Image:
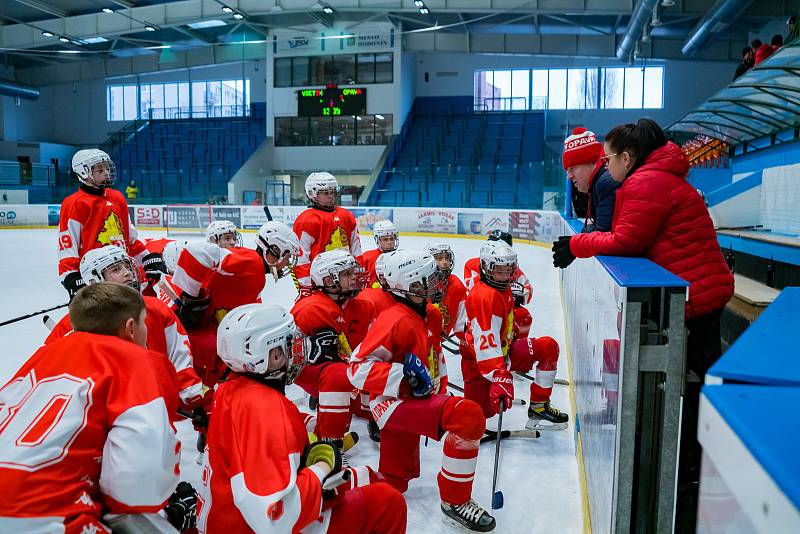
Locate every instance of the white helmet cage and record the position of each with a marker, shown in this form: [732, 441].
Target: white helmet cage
[497, 254]
[248, 333]
[96, 263]
[380, 268]
[217, 229]
[385, 229]
[171, 253]
[404, 268]
[331, 264]
[85, 161]
[317, 182]
[276, 240]
[441, 250]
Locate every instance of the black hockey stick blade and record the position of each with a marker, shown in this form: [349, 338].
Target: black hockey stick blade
[557, 381]
[267, 213]
[491, 435]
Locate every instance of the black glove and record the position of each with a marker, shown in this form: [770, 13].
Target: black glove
[154, 266]
[562, 255]
[322, 347]
[192, 310]
[73, 283]
[180, 508]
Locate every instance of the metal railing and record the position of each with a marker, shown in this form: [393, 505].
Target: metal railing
[199, 112]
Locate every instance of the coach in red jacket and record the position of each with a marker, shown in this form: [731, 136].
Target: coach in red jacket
[660, 216]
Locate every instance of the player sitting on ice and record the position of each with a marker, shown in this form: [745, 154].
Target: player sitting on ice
[489, 341]
[88, 427]
[224, 233]
[520, 287]
[93, 217]
[453, 305]
[261, 473]
[323, 226]
[387, 239]
[165, 334]
[333, 321]
[399, 363]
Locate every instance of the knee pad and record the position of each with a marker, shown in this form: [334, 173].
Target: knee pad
[464, 418]
[523, 353]
[545, 351]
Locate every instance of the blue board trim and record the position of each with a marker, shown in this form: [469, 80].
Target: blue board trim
[771, 442]
[733, 189]
[639, 272]
[762, 249]
[766, 353]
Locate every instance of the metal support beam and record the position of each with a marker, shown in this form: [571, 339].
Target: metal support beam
[44, 8]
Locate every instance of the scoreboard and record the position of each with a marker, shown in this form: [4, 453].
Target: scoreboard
[331, 102]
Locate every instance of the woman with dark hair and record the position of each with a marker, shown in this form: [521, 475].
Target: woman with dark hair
[660, 216]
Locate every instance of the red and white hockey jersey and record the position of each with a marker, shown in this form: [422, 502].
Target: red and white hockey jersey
[86, 429]
[368, 260]
[376, 365]
[319, 231]
[166, 336]
[380, 299]
[88, 221]
[453, 307]
[156, 246]
[472, 273]
[318, 311]
[252, 480]
[490, 325]
[232, 277]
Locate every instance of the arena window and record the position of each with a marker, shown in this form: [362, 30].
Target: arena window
[334, 131]
[340, 69]
[178, 100]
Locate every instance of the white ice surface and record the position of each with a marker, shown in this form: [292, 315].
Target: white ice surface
[539, 478]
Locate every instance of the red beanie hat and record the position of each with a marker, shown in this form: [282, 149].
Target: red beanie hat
[581, 147]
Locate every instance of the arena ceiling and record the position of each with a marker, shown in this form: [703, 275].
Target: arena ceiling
[40, 33]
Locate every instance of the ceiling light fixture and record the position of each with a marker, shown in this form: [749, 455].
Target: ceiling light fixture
[328, 10]
[47, 34]
[149, 29]
[227, 9]
[419, 3]
[108, 10]
[238, 16]
[424, 10]
[63, 39]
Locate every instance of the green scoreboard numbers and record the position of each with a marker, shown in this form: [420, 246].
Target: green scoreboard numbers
[331, 102]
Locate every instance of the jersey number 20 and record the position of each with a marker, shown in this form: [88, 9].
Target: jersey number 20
[40, 420]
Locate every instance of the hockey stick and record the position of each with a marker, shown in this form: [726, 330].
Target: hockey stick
[49, 323]
[34, 314]
[491, 435]
[267, 213]
[559, 381]
[497, 496]
[517, 402]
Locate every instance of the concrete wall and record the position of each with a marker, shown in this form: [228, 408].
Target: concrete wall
[687, 84]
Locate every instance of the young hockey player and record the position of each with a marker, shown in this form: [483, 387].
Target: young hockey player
[165, 334]
[489, 337]
[377, 294]
[387, 239]
[332, 320]
[323, 226]
[399, 364]
[261, 473]
[93, 217]
[87, 423]
[453, 305]
[224, 233]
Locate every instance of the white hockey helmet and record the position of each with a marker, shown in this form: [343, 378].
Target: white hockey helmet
[383, 229]
[279, 247]
[317, 182]
[217, 229]
[407, 268]
[99, 263]
[171, 253]
[498, 264]
[380, 268]
[248, 333]
[87, 162]
[442, 251]
[333, 263]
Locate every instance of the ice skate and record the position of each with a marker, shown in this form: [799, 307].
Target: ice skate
[542, 416]
[469, 515]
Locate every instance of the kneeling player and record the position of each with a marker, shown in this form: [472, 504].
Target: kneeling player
[387, 239]
[489, 336]
[453, 305]
[397, 362]
[333, 321]
[261, 473]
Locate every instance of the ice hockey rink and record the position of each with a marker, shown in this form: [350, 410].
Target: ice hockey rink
[539, 478]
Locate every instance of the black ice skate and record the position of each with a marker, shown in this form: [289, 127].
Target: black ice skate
[542, 416]
[374, 431]
[469, 515]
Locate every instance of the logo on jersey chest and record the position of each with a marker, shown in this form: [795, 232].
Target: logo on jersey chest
[111, 232]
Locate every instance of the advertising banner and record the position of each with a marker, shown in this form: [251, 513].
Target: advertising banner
[53, 214]
[187, 217]
[228, 213]
[367, 217]
[470, 223]
[436, 221]
[536, 225]
[253, 216]
[24, 215]
[148, 216]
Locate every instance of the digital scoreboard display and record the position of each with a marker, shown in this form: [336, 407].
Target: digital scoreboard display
[331, 102]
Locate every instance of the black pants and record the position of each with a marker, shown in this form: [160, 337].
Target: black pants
[703, 347]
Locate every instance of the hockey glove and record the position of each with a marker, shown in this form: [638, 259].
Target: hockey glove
[192, 310]
[501, 388]
[154, 267]
[519, 293]
[415, 372]
[562, 255]
[73, 283]
[324, 451]
[180, 508]
[322, 347]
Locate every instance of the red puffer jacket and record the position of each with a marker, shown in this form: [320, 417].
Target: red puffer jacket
[660, 216]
